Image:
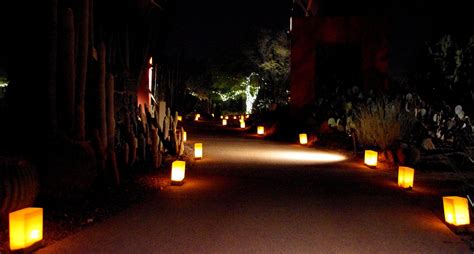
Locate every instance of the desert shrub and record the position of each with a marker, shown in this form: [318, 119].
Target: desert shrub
[377, 124]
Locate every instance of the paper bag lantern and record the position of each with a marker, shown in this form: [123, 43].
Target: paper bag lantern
[242, 124]
[26, 227]
[198, 151]
[224, 122]
[303, 139]
[370, 158]
[260, 130]
[185, 136]
[177, 171]
[405, 177]
[196, 118]
[456, 210]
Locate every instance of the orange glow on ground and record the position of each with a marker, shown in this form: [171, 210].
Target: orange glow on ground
[285, 156]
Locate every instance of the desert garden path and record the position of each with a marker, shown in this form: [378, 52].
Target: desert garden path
[249, 195]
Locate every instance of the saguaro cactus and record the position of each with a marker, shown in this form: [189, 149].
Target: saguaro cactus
[110, 111]
[126, 154]
[112, 166]
[52, 68]
[67, 73]
[102, 97]
[83, 47]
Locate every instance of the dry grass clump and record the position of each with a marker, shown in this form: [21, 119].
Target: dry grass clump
[378, 123]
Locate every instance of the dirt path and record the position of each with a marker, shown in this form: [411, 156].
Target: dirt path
[253, 196]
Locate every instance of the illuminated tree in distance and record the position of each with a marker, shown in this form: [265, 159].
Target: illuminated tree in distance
[272, 58]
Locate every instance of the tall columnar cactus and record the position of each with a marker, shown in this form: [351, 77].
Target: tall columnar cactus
[131, 140]
[175, 121]
[181, 142]
[133, 150]
[110, 111]
[67, 72]
[52, 67]
[126, 154]
[144, 122]
[99, 151]
[141, 147]
[166, 126]
[83, 48]
[91, 27]
[127, 48]
[174, 133]
[102, 101]
[156, 119]
[156, 155]
[112, 166]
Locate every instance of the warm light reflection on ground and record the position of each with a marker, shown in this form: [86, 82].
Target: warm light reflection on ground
[285, 156]
[303, 156]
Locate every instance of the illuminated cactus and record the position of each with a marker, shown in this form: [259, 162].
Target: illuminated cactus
[181, 142]
[155, 148]
[166, 126]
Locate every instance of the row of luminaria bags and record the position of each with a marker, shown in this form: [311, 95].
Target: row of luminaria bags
[26, 225]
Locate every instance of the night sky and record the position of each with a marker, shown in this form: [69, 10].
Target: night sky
[217, 31]
[213, 29]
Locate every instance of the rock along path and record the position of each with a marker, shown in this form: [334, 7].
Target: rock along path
[249, 195]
